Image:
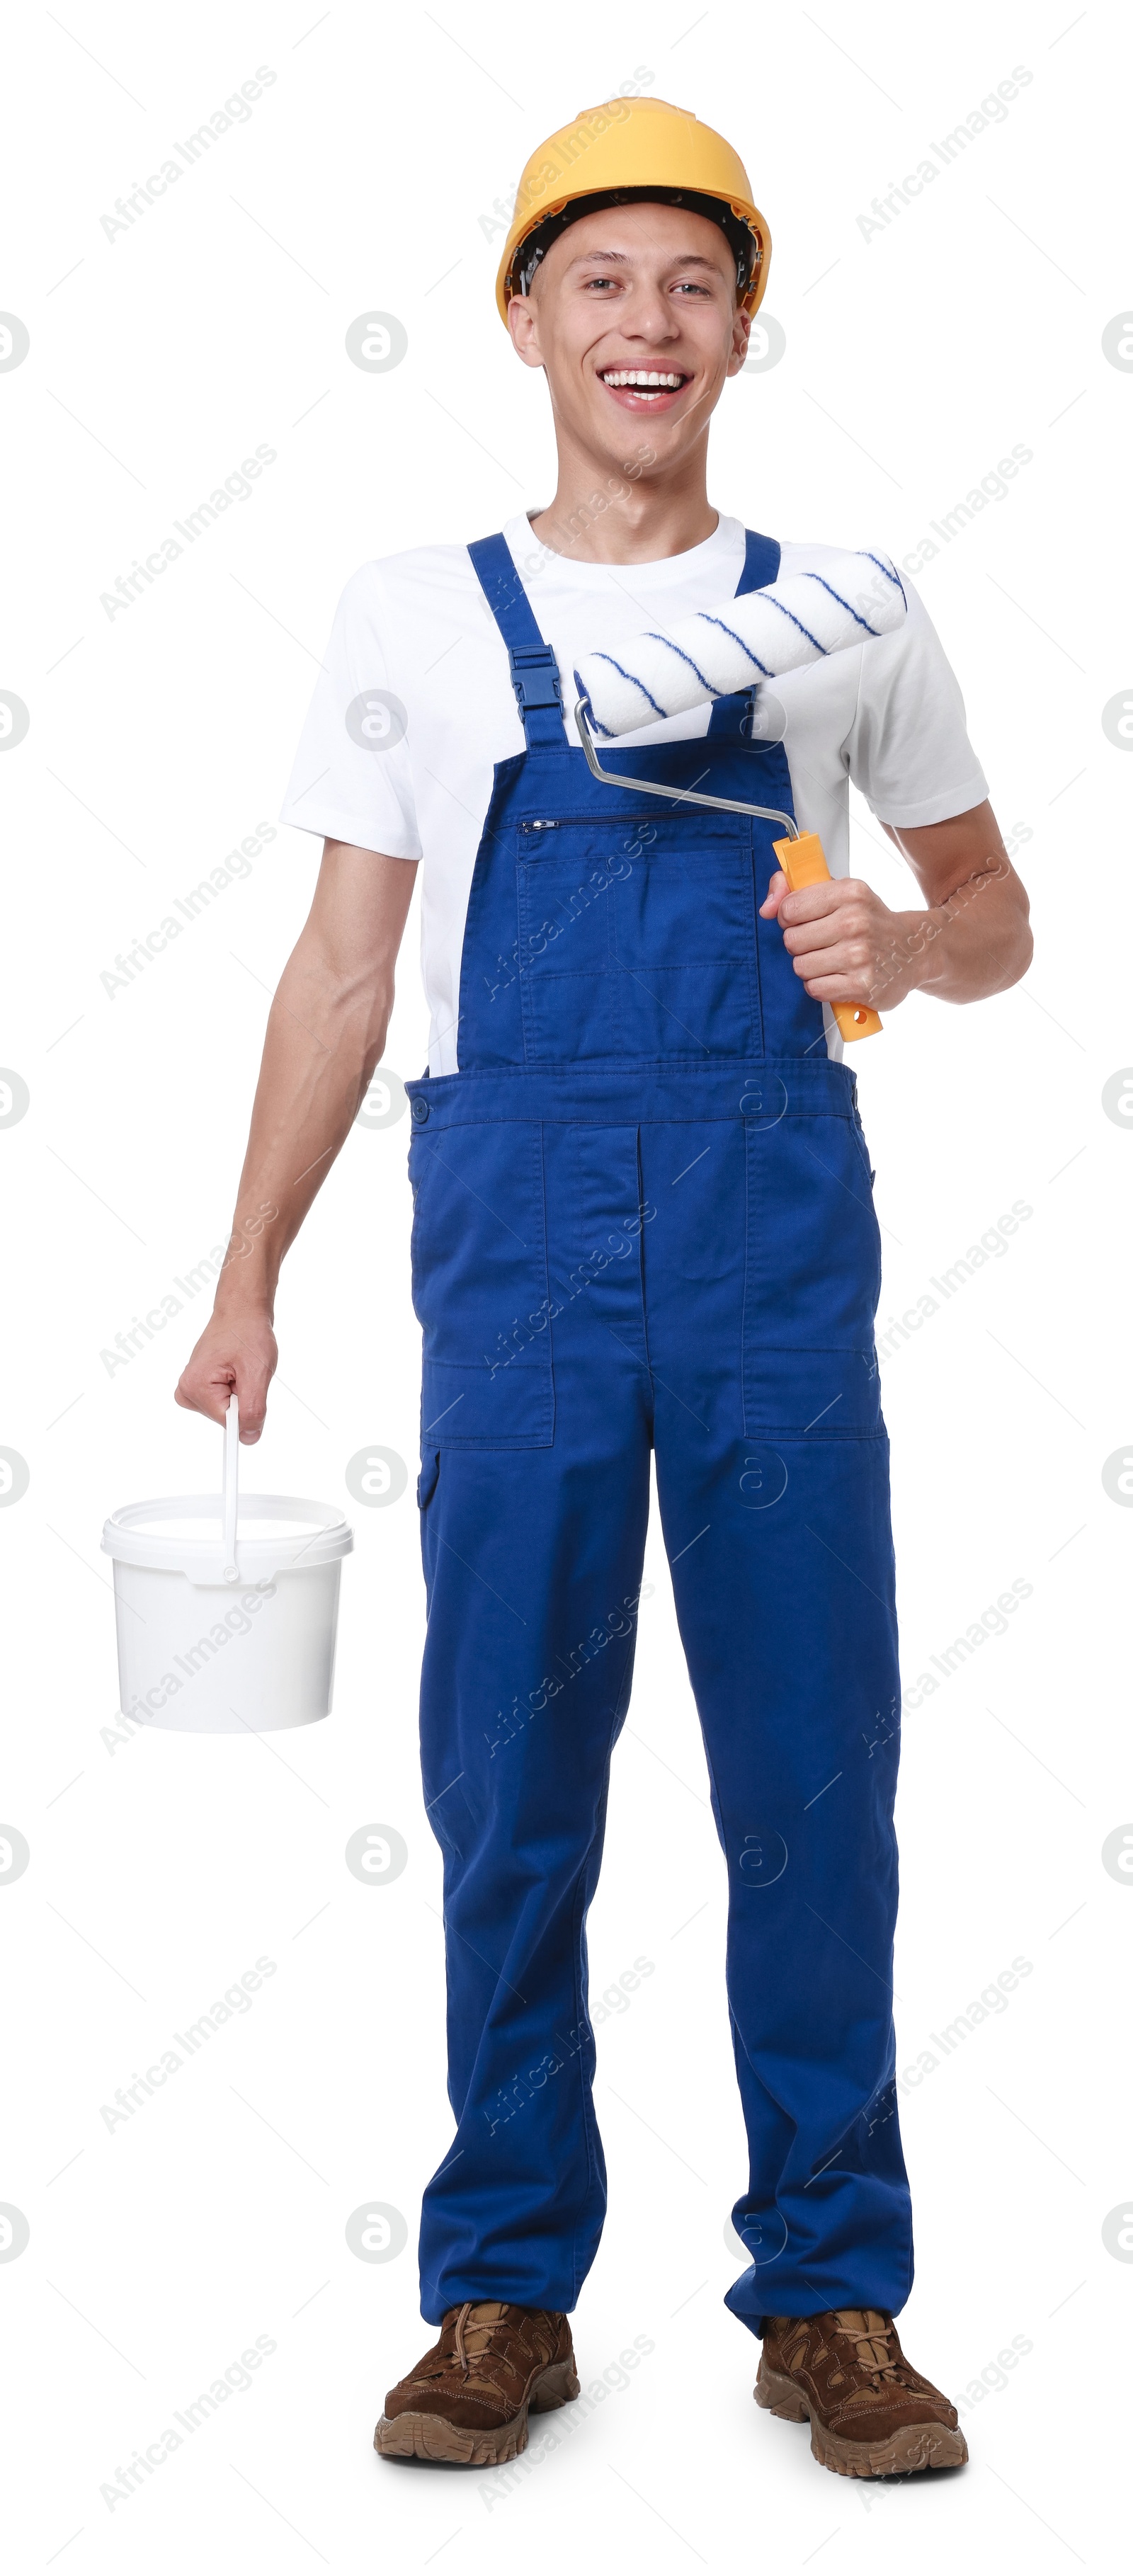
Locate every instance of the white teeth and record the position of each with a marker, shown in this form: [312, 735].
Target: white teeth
[642, 379]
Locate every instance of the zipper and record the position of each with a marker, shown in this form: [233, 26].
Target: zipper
[587, 822]
[645, 824]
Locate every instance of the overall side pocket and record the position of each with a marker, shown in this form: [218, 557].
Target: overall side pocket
[813, 1279]
[480, 1287]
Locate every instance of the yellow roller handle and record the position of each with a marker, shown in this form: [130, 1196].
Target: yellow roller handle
[803, 863]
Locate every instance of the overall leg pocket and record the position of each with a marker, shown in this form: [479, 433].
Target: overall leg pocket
[813, 1278]
[480, 1287]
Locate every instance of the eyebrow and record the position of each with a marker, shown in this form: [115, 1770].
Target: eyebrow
[624, 259]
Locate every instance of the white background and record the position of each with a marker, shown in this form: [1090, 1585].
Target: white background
[162, 1866]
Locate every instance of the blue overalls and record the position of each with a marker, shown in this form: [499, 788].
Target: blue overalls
[643, 1221]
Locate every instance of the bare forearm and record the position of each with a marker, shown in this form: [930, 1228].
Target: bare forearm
[321, 1047]
[973, 938]
[325, 1034]
[976, 942]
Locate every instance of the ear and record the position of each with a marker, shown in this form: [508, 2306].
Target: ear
[523, 324]
[741, 334]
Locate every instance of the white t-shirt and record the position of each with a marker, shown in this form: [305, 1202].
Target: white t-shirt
[417, 626]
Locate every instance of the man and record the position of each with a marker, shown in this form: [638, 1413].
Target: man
[643, 1223]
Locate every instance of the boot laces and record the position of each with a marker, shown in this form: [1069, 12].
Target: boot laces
[870, 2335]
[482, 2328]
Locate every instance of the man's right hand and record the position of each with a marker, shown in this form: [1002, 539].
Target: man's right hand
[233, 1353]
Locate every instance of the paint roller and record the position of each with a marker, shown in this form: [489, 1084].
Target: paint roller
[761, 635]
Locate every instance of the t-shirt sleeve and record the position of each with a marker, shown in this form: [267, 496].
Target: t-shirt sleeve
[352, 779]
[907, 748]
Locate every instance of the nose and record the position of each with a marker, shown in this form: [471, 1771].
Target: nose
[651, 318]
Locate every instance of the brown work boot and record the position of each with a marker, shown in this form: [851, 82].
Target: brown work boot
[871, 2414]
[468, 2399]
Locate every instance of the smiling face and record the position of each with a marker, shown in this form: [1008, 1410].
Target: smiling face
[632, 314]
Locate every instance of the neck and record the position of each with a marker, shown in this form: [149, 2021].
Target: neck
[624, 515]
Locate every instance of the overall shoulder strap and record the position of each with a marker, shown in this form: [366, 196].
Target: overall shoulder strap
[762, 557]
[534, 671]
[760, 566]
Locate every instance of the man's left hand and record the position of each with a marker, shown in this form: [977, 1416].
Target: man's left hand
[846, 944]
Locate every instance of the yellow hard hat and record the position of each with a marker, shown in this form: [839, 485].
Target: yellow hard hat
[637, 148]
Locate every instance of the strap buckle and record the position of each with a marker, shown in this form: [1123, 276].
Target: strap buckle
[535, 677]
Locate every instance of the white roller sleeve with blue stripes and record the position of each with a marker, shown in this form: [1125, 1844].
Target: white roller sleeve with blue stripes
[756, 637]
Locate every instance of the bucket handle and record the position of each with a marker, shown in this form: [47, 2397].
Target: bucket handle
[230, 1568]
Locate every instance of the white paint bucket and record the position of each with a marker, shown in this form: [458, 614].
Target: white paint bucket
[227, 1606]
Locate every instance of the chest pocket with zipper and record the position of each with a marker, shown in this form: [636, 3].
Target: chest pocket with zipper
[636, 938]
